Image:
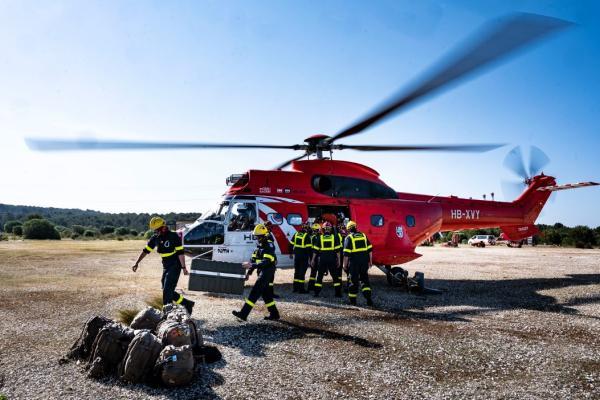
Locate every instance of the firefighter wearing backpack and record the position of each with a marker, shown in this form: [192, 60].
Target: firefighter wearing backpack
[358, 258]
[264, 261]
[168, 245]
[326, 249]
[301, 247]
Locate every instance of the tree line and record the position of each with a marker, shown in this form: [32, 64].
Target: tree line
[54, 223]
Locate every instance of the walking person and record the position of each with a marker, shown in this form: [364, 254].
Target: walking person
[263, 260]
[168, 245]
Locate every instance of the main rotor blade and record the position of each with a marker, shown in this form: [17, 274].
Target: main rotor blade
[473, 148]
[514, 162]
[285, 164]
[92, 144]
[537, 161]
[497, 40]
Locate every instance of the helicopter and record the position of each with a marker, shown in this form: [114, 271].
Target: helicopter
[316, 187]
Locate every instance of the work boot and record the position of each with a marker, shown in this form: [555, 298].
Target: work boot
[243, 313]
[369, 301]
[301, 288]
[338, 291]
[189, 305]
[296, 287]
[273, 313]
[353, 300]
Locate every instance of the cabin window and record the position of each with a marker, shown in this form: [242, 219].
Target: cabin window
[377, 220]
[294, 219]
[353, 188]
[242, 217]
[275, 218]
[410, 221]
[207, 233]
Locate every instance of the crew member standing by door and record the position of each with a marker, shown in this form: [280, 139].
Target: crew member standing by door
[326, 249]
[314, 237]
[301, 247]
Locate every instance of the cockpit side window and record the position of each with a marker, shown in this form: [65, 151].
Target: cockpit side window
[242, 216]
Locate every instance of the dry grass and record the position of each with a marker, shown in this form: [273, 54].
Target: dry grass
[126, 315]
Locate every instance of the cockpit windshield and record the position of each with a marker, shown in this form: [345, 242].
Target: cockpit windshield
[216, 214]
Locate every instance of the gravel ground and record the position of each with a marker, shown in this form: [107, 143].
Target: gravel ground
[511, 323]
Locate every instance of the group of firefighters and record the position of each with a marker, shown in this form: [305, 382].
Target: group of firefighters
[323, 248]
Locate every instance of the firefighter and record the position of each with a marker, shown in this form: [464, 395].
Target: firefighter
[301, 247]
[341, 234]
[264, 261]
[168, 245]
[316, 231]
[358, 258]
[326, 249]
[271, 239]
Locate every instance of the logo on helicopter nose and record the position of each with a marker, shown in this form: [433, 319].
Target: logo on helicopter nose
[400, 231]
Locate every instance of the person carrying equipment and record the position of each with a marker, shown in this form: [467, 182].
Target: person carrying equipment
[301, 247]
[168, 245]
[358, 258]
[264, 261]
[316, 232]
[326, 249]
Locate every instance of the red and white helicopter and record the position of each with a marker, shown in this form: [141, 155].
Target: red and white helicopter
[320, 187]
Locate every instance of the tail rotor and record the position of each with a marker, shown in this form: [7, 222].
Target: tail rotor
[515, 162]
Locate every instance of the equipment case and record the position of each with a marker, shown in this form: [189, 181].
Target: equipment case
[216, 276]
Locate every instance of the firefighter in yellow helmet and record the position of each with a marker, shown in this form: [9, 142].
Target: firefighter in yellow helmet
[358, 258]
[326, 254]
[168, 245]
[263, 260]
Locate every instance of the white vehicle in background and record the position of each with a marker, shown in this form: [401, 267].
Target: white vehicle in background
[482, 240]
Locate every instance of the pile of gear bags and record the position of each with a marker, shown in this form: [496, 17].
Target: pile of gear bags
[158, 347]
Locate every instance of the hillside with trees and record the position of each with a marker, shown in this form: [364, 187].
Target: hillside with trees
[72, 222]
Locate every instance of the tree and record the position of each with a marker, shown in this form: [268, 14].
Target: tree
[40, 229]
[582, 237]
[122, 231]
[8, 227]
[78, 229]
[17, 230]
[34, 216]
[107, 229]
[89, 233]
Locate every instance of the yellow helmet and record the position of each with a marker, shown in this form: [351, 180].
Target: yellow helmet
[260, 230]
[316, 226]
[156, 222]
[350, 225]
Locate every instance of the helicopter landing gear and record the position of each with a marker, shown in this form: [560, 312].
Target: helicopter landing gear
[398, 277]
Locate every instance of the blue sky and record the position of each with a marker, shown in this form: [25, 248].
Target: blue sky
[278, 72]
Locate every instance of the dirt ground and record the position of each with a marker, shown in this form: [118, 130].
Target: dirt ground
[510, 323]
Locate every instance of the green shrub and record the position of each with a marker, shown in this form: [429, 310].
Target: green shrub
[148, 234]
[78, 229]
[127, 315]
[3, 236]
[107, 229]
[133, 232]
[40, 229]
[34, 216]
[120, 238]
[156, 302]
[122, 231]
[89, 233]
[60, 228]
[17, 230]
[75, 236]
[66, 233]
[8, 227]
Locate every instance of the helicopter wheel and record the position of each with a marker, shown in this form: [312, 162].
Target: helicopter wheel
[397, 276]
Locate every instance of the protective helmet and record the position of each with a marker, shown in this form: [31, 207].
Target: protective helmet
[260, 230]
[316, 226]
[157, 222]
[327, 225]
[350, 225]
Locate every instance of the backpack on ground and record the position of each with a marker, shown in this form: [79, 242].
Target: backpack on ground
[148, 318]
[175, 311]
[83, 347]
[175, 366]
[206, 354]
[109, 349]
[173, 332]
[140, 358]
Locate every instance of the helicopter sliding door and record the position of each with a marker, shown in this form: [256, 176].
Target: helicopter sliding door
[239, 223]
